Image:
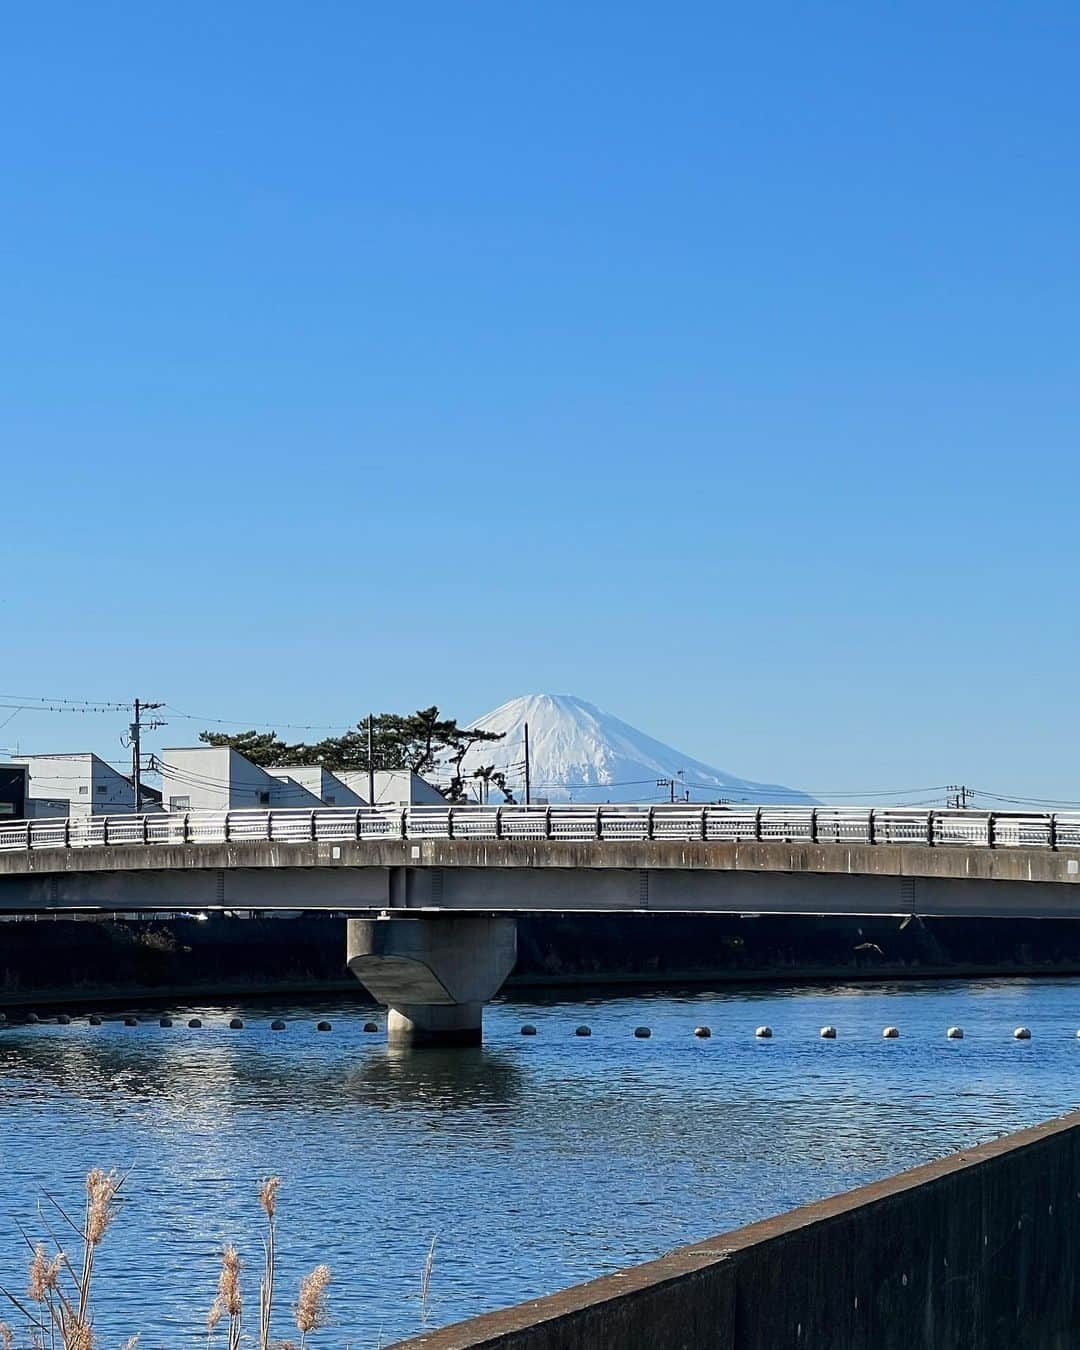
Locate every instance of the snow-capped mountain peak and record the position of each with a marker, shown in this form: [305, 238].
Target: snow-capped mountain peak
[578, 752]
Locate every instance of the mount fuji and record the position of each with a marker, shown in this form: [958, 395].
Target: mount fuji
[580, 753]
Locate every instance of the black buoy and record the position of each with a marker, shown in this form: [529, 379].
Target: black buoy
[94, 1020]
[277, 1024]
[642, 1033]
[165, 1022]
[32, 1017]
[528, 1029]
[63, 1020]
[324, 1026]
[583, 1031]
[371, 1026]
[236, 1024]
[131, 1021]
[3, 1017]
[195, 1023]
[703, 1033]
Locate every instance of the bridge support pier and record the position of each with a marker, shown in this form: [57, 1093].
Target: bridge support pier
[433, 972]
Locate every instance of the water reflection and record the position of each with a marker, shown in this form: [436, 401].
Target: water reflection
[471, 1078]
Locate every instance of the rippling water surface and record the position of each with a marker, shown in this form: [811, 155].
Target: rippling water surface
[537, 1162]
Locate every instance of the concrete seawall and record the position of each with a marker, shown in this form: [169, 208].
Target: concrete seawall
[977, 1251]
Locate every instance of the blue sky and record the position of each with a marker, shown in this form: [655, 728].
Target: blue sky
[717, 363]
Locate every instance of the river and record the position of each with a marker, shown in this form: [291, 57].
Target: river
[533, 1162]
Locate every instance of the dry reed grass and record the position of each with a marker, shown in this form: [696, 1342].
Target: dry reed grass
[57, 1308]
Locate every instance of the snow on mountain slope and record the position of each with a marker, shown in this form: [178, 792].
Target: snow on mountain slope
[580, 753]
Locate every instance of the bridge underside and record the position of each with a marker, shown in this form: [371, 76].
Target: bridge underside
[516, 890]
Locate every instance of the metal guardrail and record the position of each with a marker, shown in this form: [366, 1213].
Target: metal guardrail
[720, 824]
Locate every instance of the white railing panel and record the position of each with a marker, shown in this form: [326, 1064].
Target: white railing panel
[208, 827]
[893, 826]
[624, 822]
[722, 824]
[786, 825]
[953, 827]
[524, 822]
[677, 822]
[1027, 831]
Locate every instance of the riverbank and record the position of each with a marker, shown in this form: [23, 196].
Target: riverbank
[77, 962]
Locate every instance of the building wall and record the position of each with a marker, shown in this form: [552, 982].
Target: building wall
[92, 787]
[217, 778]
[394, 787]
[321, 783]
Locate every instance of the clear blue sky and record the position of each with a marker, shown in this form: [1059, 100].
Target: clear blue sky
[715, 362]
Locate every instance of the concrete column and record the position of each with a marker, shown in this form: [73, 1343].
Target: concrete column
[434, 972]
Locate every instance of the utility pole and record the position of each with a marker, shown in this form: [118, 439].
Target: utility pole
[371, 759]
[959, 800]
[528, 781]
[135, 736]
[669, 783]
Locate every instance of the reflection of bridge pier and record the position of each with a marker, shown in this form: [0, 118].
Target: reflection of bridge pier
[434, 972]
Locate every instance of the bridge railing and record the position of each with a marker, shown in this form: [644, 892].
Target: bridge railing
[568, 823]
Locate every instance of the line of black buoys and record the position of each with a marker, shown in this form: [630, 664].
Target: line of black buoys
[94, 1020]
[642, 1033]
[583, 1031]
[63, 1020]
[528, 1029]
[703, 1033]
[195, 1023]
[236, 1024]
[371, 1026]
[324, 1026]
[131, 1021]
[277, 1024]
[165, 1021]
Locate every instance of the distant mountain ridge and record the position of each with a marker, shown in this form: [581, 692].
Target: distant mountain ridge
[580, 753]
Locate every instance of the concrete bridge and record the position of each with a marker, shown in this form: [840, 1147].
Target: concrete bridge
[435, 889]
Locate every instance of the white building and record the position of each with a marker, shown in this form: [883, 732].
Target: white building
[393, 787]
[216, 778]
[321, 783]
[79, 785]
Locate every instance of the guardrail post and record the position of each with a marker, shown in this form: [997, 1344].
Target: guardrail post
[104, 831]
[185, 832]
[404, 822]
[357, 822]
[990, 829]
[871, 832]
[145, 829]
[313, 825]
[269, 824]
[547, 822]
[225, 827]
[1053, 830]
[930, 829]
[449, 822]
[650, 830]
[704, 824]
[599, 823]
[757, 824]
[498, 822]
[67, 832]
[813, 824]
